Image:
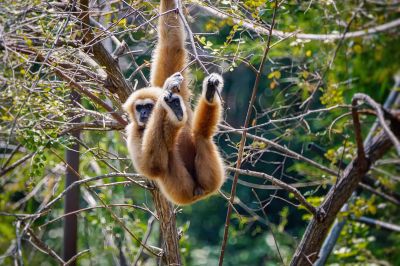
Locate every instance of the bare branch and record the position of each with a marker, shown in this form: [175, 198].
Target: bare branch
[41, 246]
[377, 223]
[80, 253]
[16, 164]
[117, 83]
[278, 183]
[261, 29]
[283, 149]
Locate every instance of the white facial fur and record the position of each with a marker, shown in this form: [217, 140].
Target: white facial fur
[141, 102]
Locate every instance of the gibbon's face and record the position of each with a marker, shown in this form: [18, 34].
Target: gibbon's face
[143, 108]
[140, 104]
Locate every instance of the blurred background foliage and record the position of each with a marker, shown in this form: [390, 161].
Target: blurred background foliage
[35, 110]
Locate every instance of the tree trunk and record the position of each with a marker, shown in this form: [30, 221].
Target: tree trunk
[72, 196]
[307, 251]
[169, 232]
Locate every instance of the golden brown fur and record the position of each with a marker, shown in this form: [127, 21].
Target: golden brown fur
[179, 155]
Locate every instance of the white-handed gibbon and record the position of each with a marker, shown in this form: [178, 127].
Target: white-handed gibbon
[167, 142]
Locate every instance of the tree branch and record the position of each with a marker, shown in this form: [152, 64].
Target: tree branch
[337, 196]
[278, 183]
[118, 83]
[379, 113]
[261, 29]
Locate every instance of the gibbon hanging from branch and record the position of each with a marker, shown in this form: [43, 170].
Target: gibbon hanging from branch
[167, 141]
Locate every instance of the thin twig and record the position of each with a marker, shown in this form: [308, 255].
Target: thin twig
[95, 207]
[190, 34]
[71, 260]
[40, 245]
[146, 236]
[270, 225]
[357, 131]
[377, 223]
[243, 139]
[380, 116]
[284, 150]
[278, 183]
[16, 164]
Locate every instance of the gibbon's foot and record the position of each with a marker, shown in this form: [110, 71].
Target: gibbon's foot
[213, 83]
[173, 100]
[173, 83]
[198, 191]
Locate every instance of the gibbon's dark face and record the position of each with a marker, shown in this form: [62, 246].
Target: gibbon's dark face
[143, 109]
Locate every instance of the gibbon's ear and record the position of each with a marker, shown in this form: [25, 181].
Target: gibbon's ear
[127, 106]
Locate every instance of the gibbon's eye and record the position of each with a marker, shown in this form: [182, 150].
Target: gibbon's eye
[139, 107]
[144, 111]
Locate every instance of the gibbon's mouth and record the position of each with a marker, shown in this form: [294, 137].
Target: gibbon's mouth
[175, 104]
[144, 120]
[177, 109]
[179, 116]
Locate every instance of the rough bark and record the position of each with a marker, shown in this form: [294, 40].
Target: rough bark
[116, 81]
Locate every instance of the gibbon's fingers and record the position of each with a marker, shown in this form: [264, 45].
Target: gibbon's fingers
[174, 103]
[173, 83]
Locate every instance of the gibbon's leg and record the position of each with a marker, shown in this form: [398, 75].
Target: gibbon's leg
[160, 136]
[170, 54]
[208, 162]
[178, 185]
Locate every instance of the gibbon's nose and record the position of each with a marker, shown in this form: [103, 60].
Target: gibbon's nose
[144, 116]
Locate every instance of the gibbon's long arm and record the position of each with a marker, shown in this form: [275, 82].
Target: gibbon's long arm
[209, 167]
[170, 55]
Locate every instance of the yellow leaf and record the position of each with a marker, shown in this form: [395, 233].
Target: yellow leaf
[122, 22]
[304, 73]
[271, 75]
[259, 145]
[308, 53]
[275, 74]
[357, 49]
